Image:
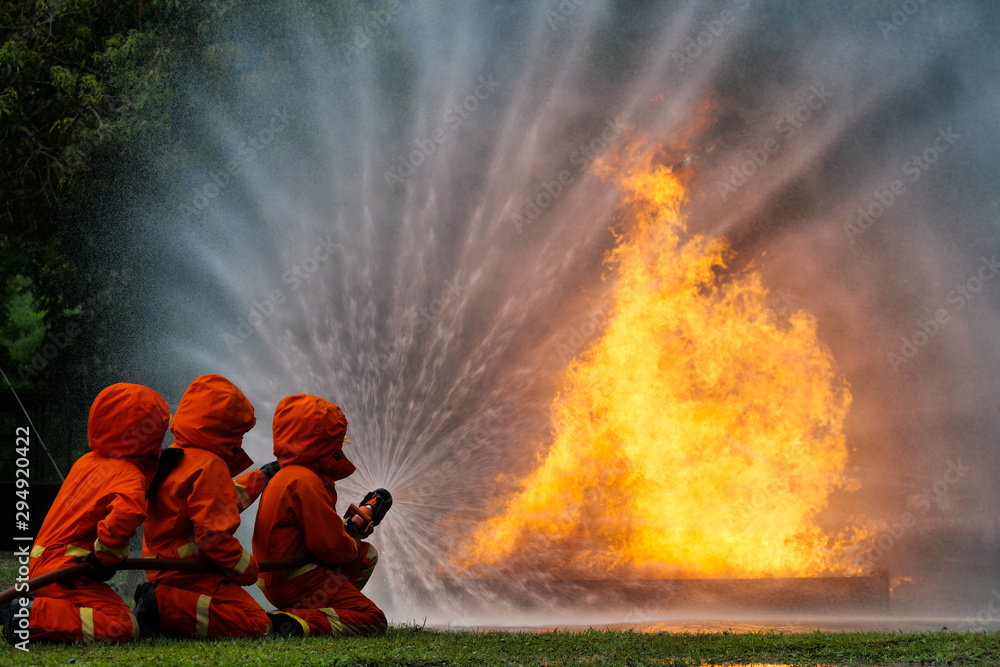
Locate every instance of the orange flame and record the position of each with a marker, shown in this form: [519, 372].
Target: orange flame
[699, 437]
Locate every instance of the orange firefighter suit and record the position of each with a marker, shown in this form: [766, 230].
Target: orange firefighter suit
[298, 512]
[97, 511]
[195, 513]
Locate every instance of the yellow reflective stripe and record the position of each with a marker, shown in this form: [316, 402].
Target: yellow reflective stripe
[87, 623]
[135, 625]
[244, 495]
[244, 563]
[201, 620]
[79, 552]
[291, 574]
[336, 627]
[118, 553]
[37, 551]
[185, 550]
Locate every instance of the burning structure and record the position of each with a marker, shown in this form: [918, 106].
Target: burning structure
[698, 439]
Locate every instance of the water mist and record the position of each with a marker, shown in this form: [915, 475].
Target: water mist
[412, 223]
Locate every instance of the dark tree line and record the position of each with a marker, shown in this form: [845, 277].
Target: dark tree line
[95, 125]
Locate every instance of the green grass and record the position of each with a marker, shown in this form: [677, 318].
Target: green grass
[416, 646]
[8, 569]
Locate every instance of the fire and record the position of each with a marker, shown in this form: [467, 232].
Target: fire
[699, 437]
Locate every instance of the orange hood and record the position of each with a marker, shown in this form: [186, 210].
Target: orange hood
[128, 421]
[310, 431]
[214, 415]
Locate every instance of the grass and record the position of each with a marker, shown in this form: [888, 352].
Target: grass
[418, 646]
[8, 569]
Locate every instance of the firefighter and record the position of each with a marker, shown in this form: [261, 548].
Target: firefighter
[94, 516]
[298, 512]
[194, 514]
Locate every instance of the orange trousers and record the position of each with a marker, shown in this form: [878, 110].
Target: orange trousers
[326, 601]
[200, 605]
[82, 610]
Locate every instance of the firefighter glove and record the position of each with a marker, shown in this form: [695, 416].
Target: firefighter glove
[98, 571]
[270, 469]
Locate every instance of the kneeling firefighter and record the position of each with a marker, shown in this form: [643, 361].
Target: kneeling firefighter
[94, 516]
[298, 513]
[194, 512]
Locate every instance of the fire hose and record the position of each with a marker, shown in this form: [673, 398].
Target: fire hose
[359, 521]
[176, 564]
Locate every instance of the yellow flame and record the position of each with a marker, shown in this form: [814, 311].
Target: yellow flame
[700, 436]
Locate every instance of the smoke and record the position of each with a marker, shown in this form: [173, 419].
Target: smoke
[396, 208]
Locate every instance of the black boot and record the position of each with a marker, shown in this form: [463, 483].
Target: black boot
[146, 611]
[284, 624]
[10, 615]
